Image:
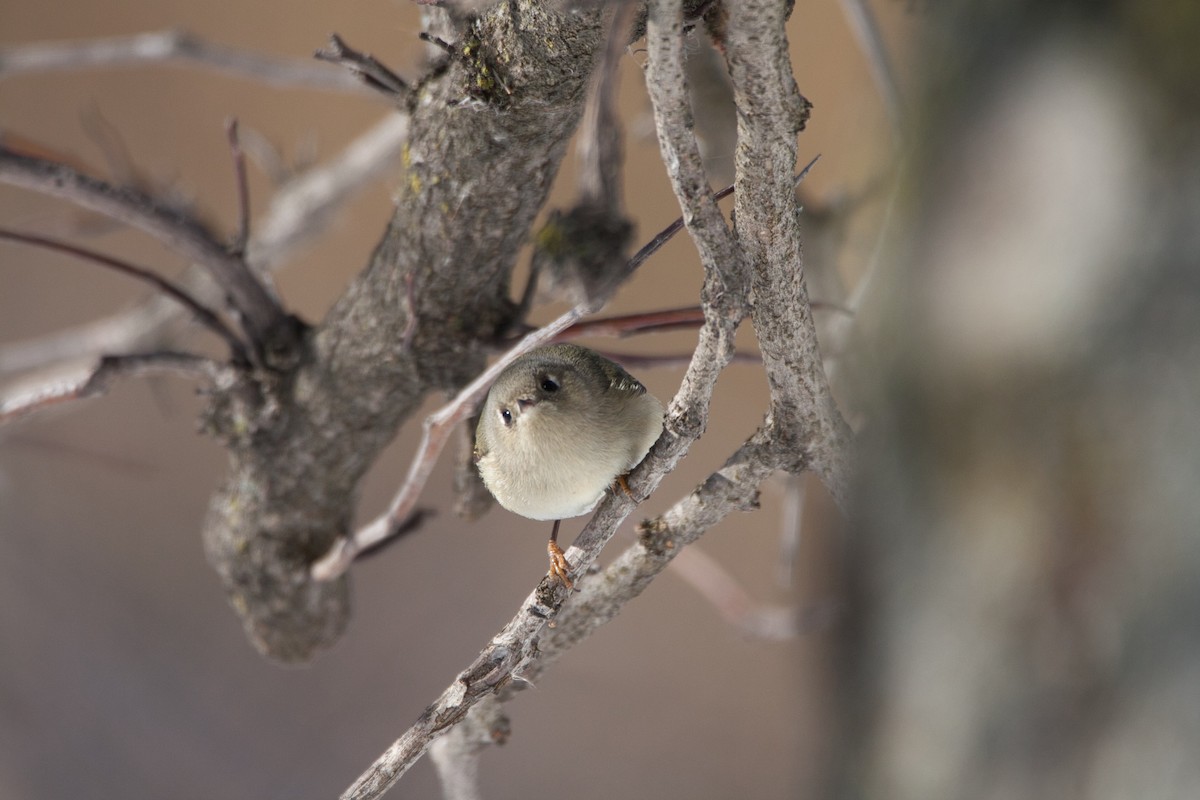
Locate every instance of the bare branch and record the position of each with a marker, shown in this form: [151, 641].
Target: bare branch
[771, 111]
[630, 324]
[268, 326]
[667, 84]
[179, 295]
[242, 237]
[167, 46]
[298, 212]
[364, 66]
[96, 380]
[870, 41]
[305, 206]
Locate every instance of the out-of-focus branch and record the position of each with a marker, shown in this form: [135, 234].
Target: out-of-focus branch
[300, 211]
[305, 206]
[271, 330]
[174, 46]
[96, 379]
[581, 252]
[179, 295]
[364, 66]
[731, 599]
[870, 41]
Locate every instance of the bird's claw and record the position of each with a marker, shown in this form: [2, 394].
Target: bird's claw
[560, 568]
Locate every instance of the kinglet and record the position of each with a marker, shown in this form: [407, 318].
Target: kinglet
[559, 427]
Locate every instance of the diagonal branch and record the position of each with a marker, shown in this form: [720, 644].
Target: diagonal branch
[267, 325]
[206, 317]
[298, 212]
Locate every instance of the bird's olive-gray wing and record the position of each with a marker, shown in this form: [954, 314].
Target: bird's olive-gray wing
[621, 381]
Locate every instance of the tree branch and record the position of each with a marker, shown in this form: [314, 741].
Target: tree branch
[298, 212]
[267, 325]
[771, 113]
[96, 380]
[173, 45]
[179, 295]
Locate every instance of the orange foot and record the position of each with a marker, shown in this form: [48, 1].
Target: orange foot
[560, 568]
[622, 481]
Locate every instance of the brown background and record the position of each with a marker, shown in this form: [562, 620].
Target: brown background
[123, 672]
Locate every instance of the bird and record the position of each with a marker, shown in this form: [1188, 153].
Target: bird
[560, 426]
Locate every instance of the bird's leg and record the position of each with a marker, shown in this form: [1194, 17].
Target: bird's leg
[622, 481]
[560, 568]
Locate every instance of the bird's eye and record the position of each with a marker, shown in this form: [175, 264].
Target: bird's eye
[549, 385]
[506, 415]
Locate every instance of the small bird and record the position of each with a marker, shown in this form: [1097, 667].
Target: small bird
[559, 427]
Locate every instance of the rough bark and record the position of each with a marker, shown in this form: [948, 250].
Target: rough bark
[497, 118]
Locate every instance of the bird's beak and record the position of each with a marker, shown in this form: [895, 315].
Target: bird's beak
[525, 402]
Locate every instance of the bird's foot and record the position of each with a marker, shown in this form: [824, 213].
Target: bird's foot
[560, 568]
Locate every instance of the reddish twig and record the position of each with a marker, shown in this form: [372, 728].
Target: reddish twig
[243, 187]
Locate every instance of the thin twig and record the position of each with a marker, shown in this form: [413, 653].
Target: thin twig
[643, 322]
[262, 317]
[364, 66]
[870, 41]
[97, 379]
[791, 526]
[238, 156]
[731, 600]
[665, 235]
[173, 45]
[635, 361]
[206, 317]
[298, 212]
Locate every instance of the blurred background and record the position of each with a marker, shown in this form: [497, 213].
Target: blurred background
[1014, 614]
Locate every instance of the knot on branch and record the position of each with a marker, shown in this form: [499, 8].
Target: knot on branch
[655, 536]
[582, 253]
